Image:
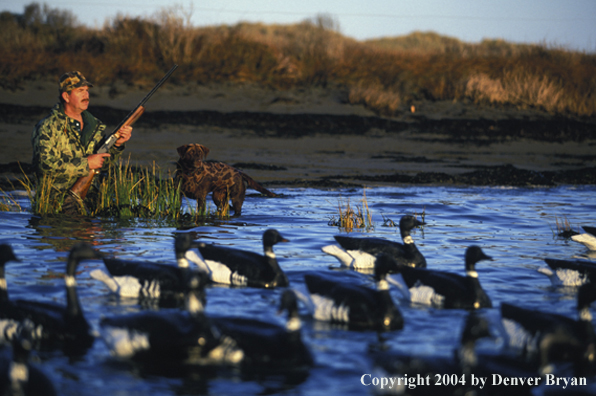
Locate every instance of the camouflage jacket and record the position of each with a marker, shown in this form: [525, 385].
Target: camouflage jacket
[59, 151]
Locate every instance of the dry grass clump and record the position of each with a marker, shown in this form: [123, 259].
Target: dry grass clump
[385, 75]
[524, 90]
[375, 97]
[350, 219]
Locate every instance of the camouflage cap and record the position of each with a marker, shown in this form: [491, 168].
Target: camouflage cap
[72, 80]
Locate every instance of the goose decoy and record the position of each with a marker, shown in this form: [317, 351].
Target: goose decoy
[186, 337]
[360, 253]
[357, 306]
[401, 365]
[588, 239]
[17, 375]
[444, 289]
[569, 272]
[129, 278]
[550, 337]
[55, 324]
[237, 267]
[268, 345]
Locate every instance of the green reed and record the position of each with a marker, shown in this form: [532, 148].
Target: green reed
[129, 192]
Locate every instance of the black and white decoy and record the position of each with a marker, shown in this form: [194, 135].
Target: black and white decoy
[445, 289]
[569, 272]
[360, 253]
[588, 239]
[268, 345]
[150, 280]
[230, 266]
[357, 306]
[17, 375]
[186, 337]
[55, 325]
[548, 337]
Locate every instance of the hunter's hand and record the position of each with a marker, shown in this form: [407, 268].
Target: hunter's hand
[96, 160]
[124, 135]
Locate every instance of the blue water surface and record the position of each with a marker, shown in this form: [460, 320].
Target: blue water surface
[516, 226]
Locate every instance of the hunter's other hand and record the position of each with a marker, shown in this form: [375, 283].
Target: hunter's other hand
[96, 160]
[124, 135]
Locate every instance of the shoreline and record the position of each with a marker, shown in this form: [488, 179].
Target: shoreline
[312, 138]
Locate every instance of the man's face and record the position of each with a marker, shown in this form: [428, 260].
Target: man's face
[77, 99]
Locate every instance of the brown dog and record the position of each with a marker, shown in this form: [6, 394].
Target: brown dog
[199, 177]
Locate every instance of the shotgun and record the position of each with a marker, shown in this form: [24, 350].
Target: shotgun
[81, 187]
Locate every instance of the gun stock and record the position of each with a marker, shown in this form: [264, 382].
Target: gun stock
[81, 187]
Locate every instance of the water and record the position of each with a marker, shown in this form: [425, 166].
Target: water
[515, 226]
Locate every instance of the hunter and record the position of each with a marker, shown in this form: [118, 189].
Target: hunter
[64, 143]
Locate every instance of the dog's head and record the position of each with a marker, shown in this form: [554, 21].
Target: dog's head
[193, 151]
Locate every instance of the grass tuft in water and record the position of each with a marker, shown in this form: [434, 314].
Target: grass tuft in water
[349, 219]
[563, 228]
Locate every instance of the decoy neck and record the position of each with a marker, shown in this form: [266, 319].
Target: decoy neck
[195, 292]
[384, 265]
[6, 255]
[475, 328]
[183, 243]
[474, 254]
[289, 303]
[78, 253]
[270, 238]
[406, 224]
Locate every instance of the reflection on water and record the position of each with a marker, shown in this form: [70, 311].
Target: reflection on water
[61, 232]
[514, 226]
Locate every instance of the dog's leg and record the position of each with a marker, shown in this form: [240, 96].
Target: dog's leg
[237, 195]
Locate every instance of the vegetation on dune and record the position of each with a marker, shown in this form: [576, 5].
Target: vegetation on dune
[386, 75]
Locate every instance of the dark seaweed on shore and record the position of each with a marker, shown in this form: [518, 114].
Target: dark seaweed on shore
[480, 131]
[502, 175]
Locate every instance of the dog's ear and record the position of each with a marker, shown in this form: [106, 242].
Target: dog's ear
[182, 150]
[205, 151]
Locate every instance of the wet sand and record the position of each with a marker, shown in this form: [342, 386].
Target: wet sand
[313, 138]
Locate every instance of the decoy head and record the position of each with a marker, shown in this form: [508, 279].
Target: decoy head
[6, 254]
[473, 255]
[288, 302]
[475, 328]
[79, 252]
[384, 265]
[183, 243]
[271, 237]
[409, 222]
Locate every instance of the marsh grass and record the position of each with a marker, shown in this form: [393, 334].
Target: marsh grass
[385, 75]
[124, 192]
[349, 219]
[8, 202]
